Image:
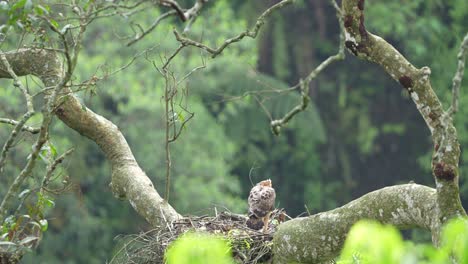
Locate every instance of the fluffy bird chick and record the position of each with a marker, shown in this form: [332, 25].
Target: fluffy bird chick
[261, 204]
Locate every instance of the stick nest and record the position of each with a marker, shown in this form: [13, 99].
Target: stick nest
[247, 245]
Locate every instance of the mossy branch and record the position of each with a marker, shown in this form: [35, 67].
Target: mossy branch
[128, 179]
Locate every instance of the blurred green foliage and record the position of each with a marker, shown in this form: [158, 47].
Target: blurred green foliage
[371, 242]
[198, 248]
[361, 131]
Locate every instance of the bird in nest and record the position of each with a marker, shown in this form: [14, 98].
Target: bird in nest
[261, 204]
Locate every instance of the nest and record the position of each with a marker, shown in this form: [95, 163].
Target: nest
[247, 245]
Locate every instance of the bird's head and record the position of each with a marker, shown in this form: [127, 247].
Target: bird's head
[266, 183]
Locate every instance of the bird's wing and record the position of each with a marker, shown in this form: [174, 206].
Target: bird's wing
[261, 200]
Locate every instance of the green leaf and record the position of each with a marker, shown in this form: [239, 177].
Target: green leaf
[54, 23]
[49, 203]
[371, 242]
[17, 5]
[40, 10]
[181, 117]
[44, 224]
[455, 239]
[53, 150]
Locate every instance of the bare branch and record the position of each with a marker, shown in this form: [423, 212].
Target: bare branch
[17, 82]
[32, 130]
[173, 55]
[51, 168]
[11, 139]
[51, 77]
[193, 12]
[174, 5]
[189, 15]
[278, 123]
[457, 79]
[252, 33]
[304, 84]
[446, 155]
[152, 27]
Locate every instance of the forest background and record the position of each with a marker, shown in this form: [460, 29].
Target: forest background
[360, 133]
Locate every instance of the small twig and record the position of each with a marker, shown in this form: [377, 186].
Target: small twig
[132, 60]
[128, 243]
[304, 84]
[51, 168]
[191, 72]
[17, 83]
[457, 79]
[173, 55]
[46, 111]
[167, 144]
[152, 27]
[264, 108]
[32, 130]
[189, 15]
[252, 33]
[11, 139]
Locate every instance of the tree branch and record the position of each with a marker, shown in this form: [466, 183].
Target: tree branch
[152, 27]
[128, 179]
[457, 79]
[11, 139]
[446, 154]
[189, 15]
[51, 168]
[17, 82]
[319, 238]
[252, 33]
[32, 130]
[304, 84]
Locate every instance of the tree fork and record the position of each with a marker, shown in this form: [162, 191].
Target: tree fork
[129, 181]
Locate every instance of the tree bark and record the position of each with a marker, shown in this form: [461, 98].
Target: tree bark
[446, 153]
[319, 238]
[129, 181]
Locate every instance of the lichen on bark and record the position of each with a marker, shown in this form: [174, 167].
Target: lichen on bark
[129, 181]
[319, 238]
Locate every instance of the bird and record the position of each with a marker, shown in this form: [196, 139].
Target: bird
[261, 204]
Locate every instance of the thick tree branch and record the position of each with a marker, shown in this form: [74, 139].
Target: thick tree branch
[446, 147]
[128, 179]
[17, 82]
[319, 238]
